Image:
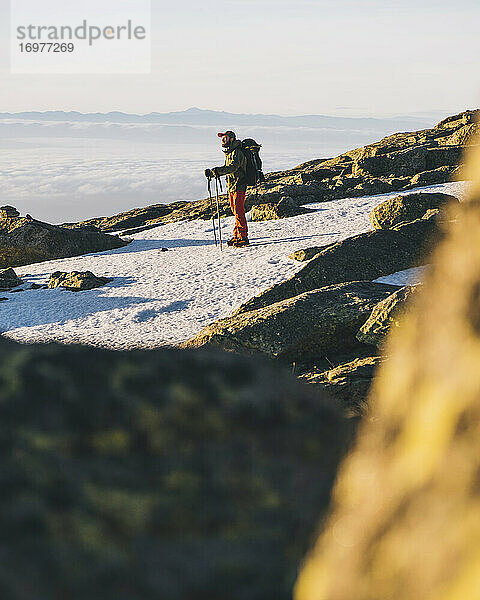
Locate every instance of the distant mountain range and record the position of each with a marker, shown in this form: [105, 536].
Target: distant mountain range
[199, 117]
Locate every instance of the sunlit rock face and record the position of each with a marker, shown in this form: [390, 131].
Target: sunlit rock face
[405, 522]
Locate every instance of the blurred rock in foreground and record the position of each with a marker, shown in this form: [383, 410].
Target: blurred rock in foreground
[158, 474]
[406, 518]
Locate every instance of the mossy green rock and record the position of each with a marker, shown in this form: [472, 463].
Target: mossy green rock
[286, 207]
[440, 175]
[308, 325]
[406, 208]
[307, 253]
[77, 281]
[385, 315]
[162, 474]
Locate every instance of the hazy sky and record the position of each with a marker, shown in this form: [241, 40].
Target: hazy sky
[344, 57]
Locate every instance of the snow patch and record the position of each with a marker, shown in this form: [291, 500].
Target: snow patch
[408, 277]
[162, 298]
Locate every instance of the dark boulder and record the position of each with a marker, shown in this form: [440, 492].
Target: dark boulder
[404, 162]
[372, 186]
[8, 279]
[407, 162]
[366, 256]
[7, 212]
[24, 241]
[440, 175]
[309, 325]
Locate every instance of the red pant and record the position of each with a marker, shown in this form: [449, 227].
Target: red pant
[237, 204]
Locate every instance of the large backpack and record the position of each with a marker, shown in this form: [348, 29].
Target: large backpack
[254, 172]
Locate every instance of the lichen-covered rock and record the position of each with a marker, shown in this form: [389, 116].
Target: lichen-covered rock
[317, 322]
[410, 207]
[372, 186]
[408, 162]
[8, 279]
[286, 207]
[398, 163]
[366, 256]
[385, 315]
[349, 383]
[77, 281]
[405, 520]
[307, 253]
[158, 474]
[24, 240]
[125, 220]
[264, 212]
[439, 175]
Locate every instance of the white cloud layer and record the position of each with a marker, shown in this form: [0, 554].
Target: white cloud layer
[65, 171]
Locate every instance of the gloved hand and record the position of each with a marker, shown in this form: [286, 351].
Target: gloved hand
[209, 174]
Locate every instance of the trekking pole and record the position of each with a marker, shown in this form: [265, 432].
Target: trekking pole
[218, 212]
[212, 211]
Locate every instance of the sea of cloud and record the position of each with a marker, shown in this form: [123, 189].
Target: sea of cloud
[68, 171]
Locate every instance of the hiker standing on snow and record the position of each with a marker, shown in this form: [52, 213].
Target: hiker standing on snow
[236, 171]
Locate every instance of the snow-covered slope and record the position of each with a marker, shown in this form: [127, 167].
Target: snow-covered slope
[159, 298]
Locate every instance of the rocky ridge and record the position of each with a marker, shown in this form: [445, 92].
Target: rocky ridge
[398, 162]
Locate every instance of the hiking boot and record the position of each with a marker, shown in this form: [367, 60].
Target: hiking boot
[232, 242]
[241, 242]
